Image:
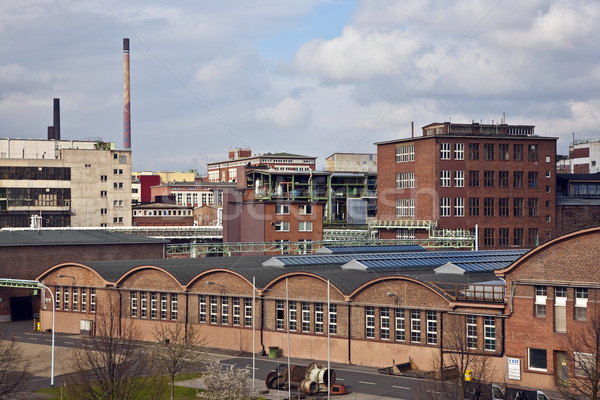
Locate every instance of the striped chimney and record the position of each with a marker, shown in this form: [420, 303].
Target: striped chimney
[126, 104]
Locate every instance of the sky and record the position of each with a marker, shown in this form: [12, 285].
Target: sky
[310, 77]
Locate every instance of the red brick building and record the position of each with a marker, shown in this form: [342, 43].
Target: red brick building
[499, 178]
[162, 214]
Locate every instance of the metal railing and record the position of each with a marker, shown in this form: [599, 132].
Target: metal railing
[473, 292]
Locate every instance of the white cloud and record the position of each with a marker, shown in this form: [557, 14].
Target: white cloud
[288, 113]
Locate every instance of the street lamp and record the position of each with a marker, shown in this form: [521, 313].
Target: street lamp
[42, 286]
[391, 294]
[210, 283]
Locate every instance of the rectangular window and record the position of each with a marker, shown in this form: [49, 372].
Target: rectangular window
[488, 178]
[153, 305]
[560, 309]
[282, 209]
[459, 151]
[202, 308]
[533, 236]
[134, 304]
[445, 207]
[473, 206]
[370, 322]
[318, 317]
[459, 207]
[489, 327]
[248, 312]
[471, 331]
[103, 178]
[400, 325]
[163, 306]
[518, 207]
[585, 364]
[333, 319]
[488, 237]
[236, 311]
[305, 317]
[173, 307]
[518, 237]
[83, 299]
[103, 193]
[280, 315]
[532, 179]
[503, 206]
[415, 326]
[503, 237]
[305, 209]
[518, 152]
[541, 294]
[93, 300]
[66, 299]
[533, 207]
[581, 300]
[518, 179]
[143, 305]
[282, 226]
[431, 327]
[224, 311]
[75, 299]
[488, 206]
[488, 151]
[473, 151]
[304, 226]
[405, 153]
[445, 151]
[503, 152]
[293, 317]
[405, 180]
[384, 314]
[57, 299]
[213, 309]
[445, 178]
[459, 178]
[503, 178]
[474, 178]
[405, 207]
[537, 359]
[532, 152]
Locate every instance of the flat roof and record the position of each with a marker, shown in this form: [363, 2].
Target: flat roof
[34, 237]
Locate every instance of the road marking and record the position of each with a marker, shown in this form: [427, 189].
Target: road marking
[401, 387]
[228, 365]
[33, 339]
[69, 342]
[338, 379]
[367, 383]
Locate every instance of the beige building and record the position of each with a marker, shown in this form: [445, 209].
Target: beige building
[351, 162]
[62, 183]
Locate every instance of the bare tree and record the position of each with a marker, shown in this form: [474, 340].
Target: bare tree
[225, 383]
[583, 354]
[13, 367]
[112, 364]
[177, 349]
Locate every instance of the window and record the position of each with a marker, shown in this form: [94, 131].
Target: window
[503, 152]
[532, 205]
[75, 299]
[585, 364]
[224, 311]
[488, 178]
[236, 311]
[304, 226]
[153, 305]
[459, 178]
[305, 209]
[445, 178]
[518, 179]
[202, 308]
[581, 299]
[473, 151]
[293, 315]
[488, 206]
[248, 312]
[474, 207]
[503, 237]
[405, 180]
[415, 326]
[305, 317]
[318, 317]
[431, 327]
[283, 246]
[541, 295]
[533, 236]
[445, 207]
[518, 152]
[445, 151]
[471, 331]
[58, 299]
[474, 178]
[560, 309]
[84, 300]
[280, 313]
[93, 300]
[134, 304]
[549, 174]
[532, 179]
[459, 207]
[384, 314]
[537, 359]
[518, 237]
[518, 207]
[503, 178]
[173, 307]
[459, 151]
[66, 299]
[103, 178]
[405, 153]
[282, 209]
[489, 327]
[213, 309]
[333, 319]
[103, 193]
[488, 151]
[503, 206]
[282, 226]
[163, 306]
[532, 152]
[488, 237]
[400, 326]
[405, 207]
[370, 322]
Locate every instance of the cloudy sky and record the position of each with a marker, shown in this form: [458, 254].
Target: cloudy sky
[304, 76]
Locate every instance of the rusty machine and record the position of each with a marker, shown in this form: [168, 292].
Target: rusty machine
[312, 379]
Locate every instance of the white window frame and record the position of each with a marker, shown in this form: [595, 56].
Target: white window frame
[279, 315]
[445, 178]
[581, 300]
[247, 312]
[444, 151]
[332, 319]
[305, 226]
[459, 178]
[92, 300]
[489, 329]
[305, 316]
[143, 305]
[415, 326]
[213, 309]
[282, 226]
[459, 207]
[319, 322]
[75, 306]
[202, 308]
[66, 298]
[224, 311]
[370, 322]
[236, 320]
[282, 209]
[173, 307]
[134, 305]
[541, 294]
[83, 299]
[405, 207]
[459, 151]
[384, 323]
[400, 335]
[445, 207]
[305, 209]
[293, 316]
[163, 306]
[58, 299]
[431, 327]
[471, 331]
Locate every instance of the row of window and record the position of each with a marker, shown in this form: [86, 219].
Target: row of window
[560, 305]
[488, 152]
[490, 179]
[146, 305]
[210, 313]
[70, 298]
[194, 199]
[144, 213]
[489, 237]
[492, 206]
[284, 226]
[302, 322]
[284, 209]
[405, 153]
[36, 173]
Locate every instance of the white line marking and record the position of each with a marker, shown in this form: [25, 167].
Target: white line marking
[401, 387]
[69, 342]
[338, 379]
[367, 383]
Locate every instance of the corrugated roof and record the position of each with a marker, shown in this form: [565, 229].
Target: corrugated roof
[369, 249]
[33, 237]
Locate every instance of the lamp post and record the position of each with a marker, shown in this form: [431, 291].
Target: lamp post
[42, 286]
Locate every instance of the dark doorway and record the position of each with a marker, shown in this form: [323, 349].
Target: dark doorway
[21, 308]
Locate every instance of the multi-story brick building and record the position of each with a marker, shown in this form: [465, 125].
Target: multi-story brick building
[583, 158]
[499, 178]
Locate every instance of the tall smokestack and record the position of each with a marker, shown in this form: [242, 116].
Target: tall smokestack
[126, 109]
[56, 133]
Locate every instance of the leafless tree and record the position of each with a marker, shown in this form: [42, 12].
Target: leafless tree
[583, 354]
[112, 364]
[225, 383]
[177, 349]
[13, 367]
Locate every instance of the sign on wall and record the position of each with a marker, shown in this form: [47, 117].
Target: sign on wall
[514, 368]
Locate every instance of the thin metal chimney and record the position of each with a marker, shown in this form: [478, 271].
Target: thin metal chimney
[126, 104]
[56, 133]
